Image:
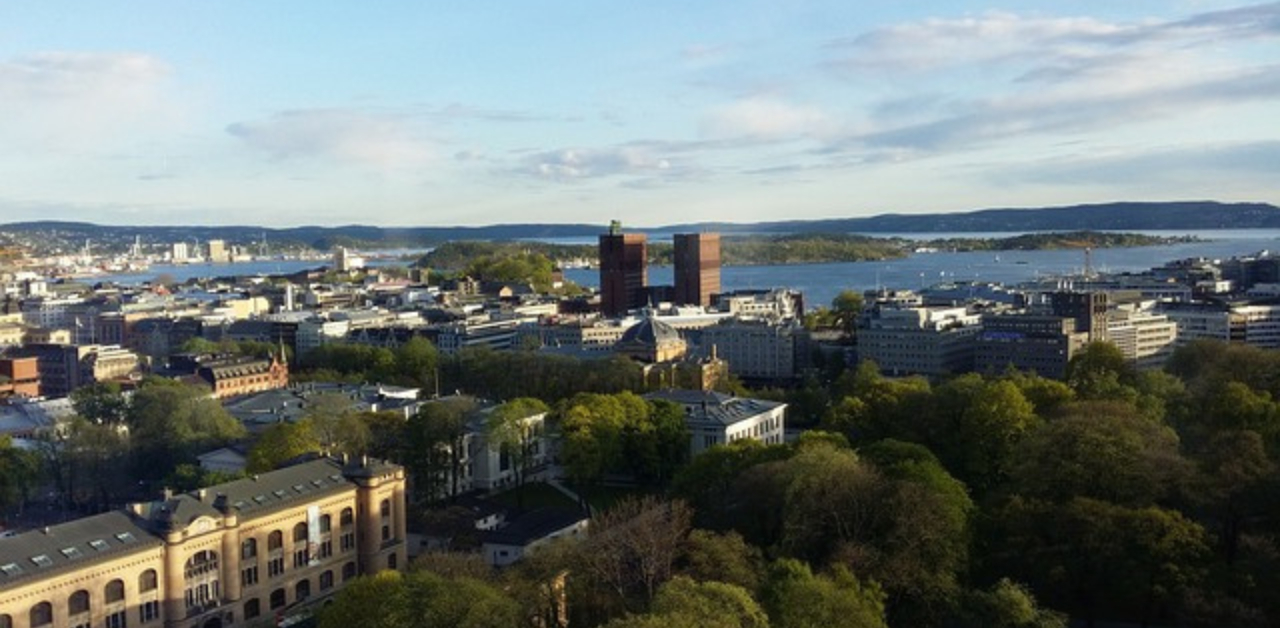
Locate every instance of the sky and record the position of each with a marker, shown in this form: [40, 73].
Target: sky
[409, 113]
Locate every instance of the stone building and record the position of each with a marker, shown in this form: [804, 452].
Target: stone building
[245, 553]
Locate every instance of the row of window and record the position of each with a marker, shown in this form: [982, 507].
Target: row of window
[79, 604]
[301, 591]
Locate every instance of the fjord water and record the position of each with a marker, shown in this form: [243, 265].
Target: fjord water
[821, 282]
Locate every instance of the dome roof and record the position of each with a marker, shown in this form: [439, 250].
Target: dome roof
[650, 331]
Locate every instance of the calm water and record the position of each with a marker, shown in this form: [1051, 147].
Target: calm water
[821, 282]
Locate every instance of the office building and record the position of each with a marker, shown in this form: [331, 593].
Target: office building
[1040, 344]
[697, 268]
[218, 251]
[624, 271]
[931, 341]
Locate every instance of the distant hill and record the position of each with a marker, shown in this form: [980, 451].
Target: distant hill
[1183, 215]
[1106, 216]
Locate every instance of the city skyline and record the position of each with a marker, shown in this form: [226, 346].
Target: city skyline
[401, 114]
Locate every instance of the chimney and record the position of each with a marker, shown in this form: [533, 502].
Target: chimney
[201, 494]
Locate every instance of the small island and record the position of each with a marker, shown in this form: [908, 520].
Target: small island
[477, 258]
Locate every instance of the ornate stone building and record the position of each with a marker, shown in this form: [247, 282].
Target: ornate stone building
[245, 553]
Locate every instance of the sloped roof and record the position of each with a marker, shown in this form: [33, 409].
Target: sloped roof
[72, 545]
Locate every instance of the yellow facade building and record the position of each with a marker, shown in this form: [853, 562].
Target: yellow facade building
[244, 553]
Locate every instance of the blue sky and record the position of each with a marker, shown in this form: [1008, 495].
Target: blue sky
[423, 113]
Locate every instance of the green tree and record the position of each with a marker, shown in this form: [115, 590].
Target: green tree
[418, 361]
[435, 446]
[169, 422]
[101, 402]
[19, 472]
[796, 598]
[438, 602]
[728, 558]
[1099, 371]
[1103, 450]
[846, 308]
[1096, 559]
[1007, 605]
[708, 604]
[281, 442]
[378, 601]
[515, 429]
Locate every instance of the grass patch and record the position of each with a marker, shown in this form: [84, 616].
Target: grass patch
[605, 497]
[536, 495]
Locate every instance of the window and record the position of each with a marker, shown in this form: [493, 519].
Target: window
[325, 521]
[202, 585]
[326, 581]
[249, 576]
[277, 599]
[117, 620]
[147, 581]
[275, 554]
[348, 571]
[6, 621]
[385, 509]
[149, 611]
[114, 591]
[78, 603]
[252, 608]
[41, 614]
[249, 549]
[301, 551]
[386, 533]
[42, 561]
[303, 590]
[391, 561]
[347, 518]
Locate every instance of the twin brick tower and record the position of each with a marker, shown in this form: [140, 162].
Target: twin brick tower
[624, 271]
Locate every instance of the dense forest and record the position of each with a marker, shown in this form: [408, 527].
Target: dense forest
[1148, 498]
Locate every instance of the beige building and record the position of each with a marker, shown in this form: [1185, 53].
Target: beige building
[245, 553]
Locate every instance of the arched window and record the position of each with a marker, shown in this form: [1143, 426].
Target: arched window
[301, 552]
[114, 591]
[326, 581]
[325, 523]
[348, 571]
[303, 590]
[248, 549]
[252, 608]
[277, 598]
[147, 581]
[41, 614]
[275, 540]
[6, 621]
[385, 508]
[78, 603]
[202, 586]
[347, 518]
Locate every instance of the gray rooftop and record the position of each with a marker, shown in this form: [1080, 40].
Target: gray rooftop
[40, 553]
[713, 407]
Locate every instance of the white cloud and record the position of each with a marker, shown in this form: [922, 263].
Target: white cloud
[59, 98]
[574, 164]
[382, 141]
[1042, 75]
[764, 119]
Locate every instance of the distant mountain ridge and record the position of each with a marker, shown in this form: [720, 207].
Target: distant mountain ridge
[1132, 216]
